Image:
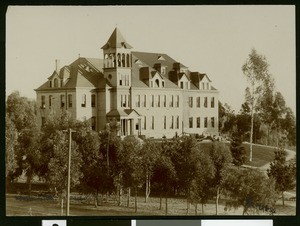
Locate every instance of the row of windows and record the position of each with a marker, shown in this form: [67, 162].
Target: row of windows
[198, 122]
[69, 101]
[122, 60]
[157, 101]
[198, 102]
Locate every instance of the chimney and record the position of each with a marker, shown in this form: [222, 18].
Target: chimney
[57, 67]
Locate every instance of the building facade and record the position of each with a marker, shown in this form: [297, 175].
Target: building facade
[145, 94]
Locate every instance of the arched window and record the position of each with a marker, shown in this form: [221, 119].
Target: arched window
[123, 60]
[106, 61]
[157, 83]
[55, 82]
[127, 60]
[119, 59]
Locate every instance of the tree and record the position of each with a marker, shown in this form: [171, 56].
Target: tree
[11, 138]
[288, 124]
[284, 173]
[221, 158]
[22, 113]
[150, 153]
[130, 160]
[250, 189]
[58, 164]
[238, 152]
[185, 156]
[164, 175]
[256, 71]
[200, 186]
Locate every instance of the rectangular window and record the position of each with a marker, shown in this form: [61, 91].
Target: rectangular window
[207, 85]
[203, 85]
[198, 122]
[62, 101]
[121, 103]
[158, 100]
[172, 101]
[50, 101]
[177, 122]
[191, 122]
[181, 85]
[198, 102]
[177, 101]
[152, 122]
[70, 100]
[212, 103]
[120, 82]
[152, 100]
[137, 103]
[93, 123]
[172, 123]
[145, 100]
[43, 102]
[93, 101]
[205, 102]
[205, 122]
[125, 101]
[190, 102]
[83, 101]
[165, 122]
[212, 120]
[165, 100]
[145, 123]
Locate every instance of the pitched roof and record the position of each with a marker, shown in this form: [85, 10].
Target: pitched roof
[116, 40]
[83, 72]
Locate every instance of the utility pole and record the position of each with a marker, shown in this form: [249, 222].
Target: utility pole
[69, 171]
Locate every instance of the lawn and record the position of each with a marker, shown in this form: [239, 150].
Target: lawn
[261, 154]
[176, 207]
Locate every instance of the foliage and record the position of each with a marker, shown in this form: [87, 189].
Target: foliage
[284, 173]
[250, 189]
[11, 137]
[58, 164]
[221, 158]
[238, 152]
[21, 111]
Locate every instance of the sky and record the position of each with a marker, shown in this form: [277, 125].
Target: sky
[215, 40]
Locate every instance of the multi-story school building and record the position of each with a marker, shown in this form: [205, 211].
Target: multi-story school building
[147, 94]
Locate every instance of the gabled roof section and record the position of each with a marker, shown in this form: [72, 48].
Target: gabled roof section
[83, 72]
[116, 40]
[53, 74]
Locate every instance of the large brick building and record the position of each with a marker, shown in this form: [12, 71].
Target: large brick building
[147, 94]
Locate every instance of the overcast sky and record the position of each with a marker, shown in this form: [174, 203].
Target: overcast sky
[212, 39]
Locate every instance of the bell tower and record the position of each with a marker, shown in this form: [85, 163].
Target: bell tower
[117, 60]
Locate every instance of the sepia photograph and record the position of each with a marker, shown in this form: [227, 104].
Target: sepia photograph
[150, 111]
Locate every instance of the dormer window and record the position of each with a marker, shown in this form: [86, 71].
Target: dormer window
[50, 84]
[55, 82]
[160, 58]
[156, 83]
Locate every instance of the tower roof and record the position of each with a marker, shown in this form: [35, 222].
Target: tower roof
[116, 40]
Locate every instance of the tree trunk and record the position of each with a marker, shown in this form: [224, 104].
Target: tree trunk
[147, 188]
[251, 132]
[29, 179]
[128, 197]
[282, 198]
[96, 199]
[62, 206]
[160, 201]
[135, 201]
[166, 203]
[217, 200]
